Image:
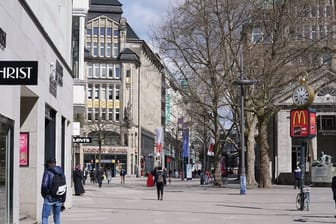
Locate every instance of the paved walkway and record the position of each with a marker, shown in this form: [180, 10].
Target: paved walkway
[188, 202]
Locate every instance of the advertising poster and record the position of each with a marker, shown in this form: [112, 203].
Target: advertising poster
[24, 149]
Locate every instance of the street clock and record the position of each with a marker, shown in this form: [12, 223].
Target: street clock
[303, 95]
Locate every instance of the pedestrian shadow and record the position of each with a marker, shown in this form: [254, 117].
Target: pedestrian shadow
[309, 219]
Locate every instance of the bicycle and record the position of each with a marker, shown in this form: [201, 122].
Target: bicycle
[305, 196]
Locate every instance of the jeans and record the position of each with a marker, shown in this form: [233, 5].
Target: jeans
[49, 205]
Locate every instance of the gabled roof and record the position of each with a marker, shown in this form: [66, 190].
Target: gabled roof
[129, 55]
[106, 2]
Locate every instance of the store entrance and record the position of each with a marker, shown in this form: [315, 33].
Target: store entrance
[6, 170]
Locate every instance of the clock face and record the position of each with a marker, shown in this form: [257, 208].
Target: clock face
[301, 96]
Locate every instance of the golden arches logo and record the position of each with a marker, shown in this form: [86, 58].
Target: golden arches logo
[298, 117]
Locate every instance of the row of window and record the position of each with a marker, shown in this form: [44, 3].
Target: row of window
[318, 11]
[102, 49]
[110, 71]
[103, 92]
[103, 114]
[324, 59]
[102, 31]
[299, 33]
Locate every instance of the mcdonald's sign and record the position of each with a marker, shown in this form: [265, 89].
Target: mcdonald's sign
[303, 123]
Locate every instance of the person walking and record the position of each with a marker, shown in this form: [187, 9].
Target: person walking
[122, 175]
[333, 188]
[160, 180]
[109, 175]
[77, 179]
[99, 176]
[53, 191]
[297, 178]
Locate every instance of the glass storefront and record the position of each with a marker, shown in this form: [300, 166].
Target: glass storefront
[6, 170]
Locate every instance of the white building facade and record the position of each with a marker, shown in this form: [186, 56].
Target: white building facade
[35, 119]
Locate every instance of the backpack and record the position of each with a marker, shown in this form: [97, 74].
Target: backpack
[58, 186]
[160, 178]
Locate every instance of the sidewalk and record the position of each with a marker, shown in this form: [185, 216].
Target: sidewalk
[188, 202]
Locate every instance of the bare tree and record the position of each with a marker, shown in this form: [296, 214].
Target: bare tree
[209, 43]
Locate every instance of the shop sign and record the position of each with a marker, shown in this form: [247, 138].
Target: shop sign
[302, 123]
[18, 72]
[78, 139]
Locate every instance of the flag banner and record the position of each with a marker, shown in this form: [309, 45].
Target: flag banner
[185, 143]
[211, 147]
[159, 140]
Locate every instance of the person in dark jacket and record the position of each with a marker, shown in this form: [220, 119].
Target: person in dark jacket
[51, 202]
[77, 179]
[333, 188]
[160, 180]
[99, 176]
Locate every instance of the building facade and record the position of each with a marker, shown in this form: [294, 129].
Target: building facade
[36, 116]
[124, 93]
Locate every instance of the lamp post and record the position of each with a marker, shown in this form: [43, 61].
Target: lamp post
[242, 82]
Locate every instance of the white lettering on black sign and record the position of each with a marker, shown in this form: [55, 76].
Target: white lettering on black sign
[18, 72]
[81, 140]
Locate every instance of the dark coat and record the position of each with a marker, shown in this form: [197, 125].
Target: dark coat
[157, 173]
[78, 184]
[47, 179]
[333, 187]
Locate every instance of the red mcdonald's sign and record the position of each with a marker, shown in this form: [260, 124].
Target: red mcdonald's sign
[303, 123]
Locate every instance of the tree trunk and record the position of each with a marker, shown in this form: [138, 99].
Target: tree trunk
[250, 152]
[265, 178]
[218, 174]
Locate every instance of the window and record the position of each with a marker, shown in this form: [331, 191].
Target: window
[256, 35]
[314, 32]
[88, 47]
[109, 31]
[89, 114]
[117, 92]
[103, 93]
[96, 96]
[306, 32]
[89, 92]
[117, 114]
[96, 71]
[103, 115]
[117, 71]
[96, 114]
[89, 70]
[116, 33]
[326, 58]
[108, 50]
[103, 70]
[110, 115]
[89, 31]
[110, 92]
[298, 32]
[328, 10]
[314, 11]
[102, 31]
[95, 49]
[322, 34]
[102, 49]
[115, 50]
[110, 71]
[95, 31]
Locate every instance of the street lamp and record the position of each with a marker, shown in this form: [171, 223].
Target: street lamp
[242, 82]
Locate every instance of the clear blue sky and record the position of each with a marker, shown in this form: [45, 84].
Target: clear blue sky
[142, 14]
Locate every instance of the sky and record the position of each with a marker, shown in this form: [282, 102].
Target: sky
[143, 14]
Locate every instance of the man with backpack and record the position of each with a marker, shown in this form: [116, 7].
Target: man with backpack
[53, 190]
[160, 180]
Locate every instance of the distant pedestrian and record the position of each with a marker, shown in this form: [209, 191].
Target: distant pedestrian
[160, 180]
[77, 177]
[53, 190]
[99, 176]
[109, 175]
[333, 188]
[85, 174]
[122, 175]
[297, 178]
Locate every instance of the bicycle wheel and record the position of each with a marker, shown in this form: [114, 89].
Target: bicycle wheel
[298, 201]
